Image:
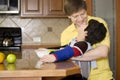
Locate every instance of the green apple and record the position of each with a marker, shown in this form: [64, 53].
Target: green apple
[11, 58]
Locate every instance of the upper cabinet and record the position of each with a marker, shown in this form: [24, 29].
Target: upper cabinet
[54, 8]
[45, 8]
[32, 8]
[42, 8]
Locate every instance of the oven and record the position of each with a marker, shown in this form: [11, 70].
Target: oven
[10, 38]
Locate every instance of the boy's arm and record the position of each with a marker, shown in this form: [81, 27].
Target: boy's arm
[64, 54]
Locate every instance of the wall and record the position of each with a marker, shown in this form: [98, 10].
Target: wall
[48, 30]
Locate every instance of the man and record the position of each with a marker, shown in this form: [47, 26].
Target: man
[77, 12]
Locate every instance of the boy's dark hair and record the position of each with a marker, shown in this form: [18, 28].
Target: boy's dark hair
[72, 6]
[96, 32]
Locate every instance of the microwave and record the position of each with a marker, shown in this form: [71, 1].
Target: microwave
[9, 6]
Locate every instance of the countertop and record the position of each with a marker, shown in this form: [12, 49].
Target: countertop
[28, 67]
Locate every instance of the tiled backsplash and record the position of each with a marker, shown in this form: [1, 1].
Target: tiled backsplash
[34, 30]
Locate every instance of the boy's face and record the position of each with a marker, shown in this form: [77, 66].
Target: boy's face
[79, 18]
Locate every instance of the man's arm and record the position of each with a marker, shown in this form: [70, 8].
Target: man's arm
[100, 50]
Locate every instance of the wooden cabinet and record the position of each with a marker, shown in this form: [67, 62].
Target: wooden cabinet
[32, 8]
[55, 8]
[42, 8]
[45, 8]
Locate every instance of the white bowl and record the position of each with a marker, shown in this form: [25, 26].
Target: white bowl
[41, 52]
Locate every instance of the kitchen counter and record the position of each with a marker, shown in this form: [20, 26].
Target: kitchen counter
[43, 45]
[28, 67]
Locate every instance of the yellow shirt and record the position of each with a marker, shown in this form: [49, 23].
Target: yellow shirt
[102, 72]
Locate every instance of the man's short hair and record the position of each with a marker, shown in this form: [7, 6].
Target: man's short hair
[72, 6]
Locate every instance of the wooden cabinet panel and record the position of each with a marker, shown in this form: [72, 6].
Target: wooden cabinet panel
[55, 8]
[31, 8]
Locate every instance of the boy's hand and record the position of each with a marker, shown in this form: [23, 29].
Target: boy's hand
[80, 28]
[81, 34]
[48, 58]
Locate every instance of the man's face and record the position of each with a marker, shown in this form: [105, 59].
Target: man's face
[79, 18]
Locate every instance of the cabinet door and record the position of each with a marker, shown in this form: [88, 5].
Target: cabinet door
[32, 8]
[55, 8]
